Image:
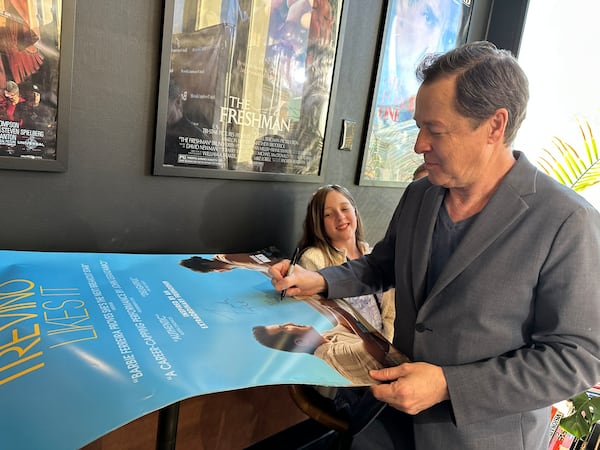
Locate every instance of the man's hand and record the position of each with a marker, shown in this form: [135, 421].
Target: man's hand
[414, 387]
[300, 282]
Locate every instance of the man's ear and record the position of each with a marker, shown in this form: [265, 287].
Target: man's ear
[301, 341]
[309, 341]
[497, 125]
[304, 345]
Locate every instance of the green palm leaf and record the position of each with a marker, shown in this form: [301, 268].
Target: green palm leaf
[576, 169]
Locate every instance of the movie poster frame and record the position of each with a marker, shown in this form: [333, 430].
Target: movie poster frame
[63, 107]
[161, 169]
[412, 161]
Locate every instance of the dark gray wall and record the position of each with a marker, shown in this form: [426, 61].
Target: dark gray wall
[108, 201]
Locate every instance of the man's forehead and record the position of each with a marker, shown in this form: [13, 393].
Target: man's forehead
[434, 100]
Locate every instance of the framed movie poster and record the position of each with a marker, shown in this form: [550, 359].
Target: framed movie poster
[36, 45]
[413, 28]
[245, 87]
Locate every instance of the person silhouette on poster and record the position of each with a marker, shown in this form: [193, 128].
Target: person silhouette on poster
[418, 28]
[350, 347]
[11, 98]
[37, 122]
[185, 143]
[203, 265]
[259, 260]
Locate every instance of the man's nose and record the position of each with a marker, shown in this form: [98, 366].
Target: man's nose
[421, 144]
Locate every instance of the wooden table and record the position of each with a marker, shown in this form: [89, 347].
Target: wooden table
[225, 420]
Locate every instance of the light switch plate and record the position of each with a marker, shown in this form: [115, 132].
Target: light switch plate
[347, 137]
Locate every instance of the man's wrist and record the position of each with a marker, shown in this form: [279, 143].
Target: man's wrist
[325, 288]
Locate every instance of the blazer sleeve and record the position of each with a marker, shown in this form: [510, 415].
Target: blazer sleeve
[562, 357]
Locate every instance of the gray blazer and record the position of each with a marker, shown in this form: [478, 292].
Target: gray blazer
[513, 318]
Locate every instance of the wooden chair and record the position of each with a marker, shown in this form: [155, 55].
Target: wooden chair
[319, 409]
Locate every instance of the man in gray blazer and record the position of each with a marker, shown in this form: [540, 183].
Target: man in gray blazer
[494, 265]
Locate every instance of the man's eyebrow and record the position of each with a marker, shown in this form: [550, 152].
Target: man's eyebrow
[429, 120]
[430, 123]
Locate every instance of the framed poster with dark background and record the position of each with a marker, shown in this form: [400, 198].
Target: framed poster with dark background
[245, 88]
[36, 52]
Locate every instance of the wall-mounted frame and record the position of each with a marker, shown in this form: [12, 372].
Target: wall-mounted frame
[413, 28]
[36, 53]
[245, 88]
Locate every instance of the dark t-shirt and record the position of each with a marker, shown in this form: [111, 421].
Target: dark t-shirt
[446, 237]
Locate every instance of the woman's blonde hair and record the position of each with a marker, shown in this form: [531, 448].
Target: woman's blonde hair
[314, 234]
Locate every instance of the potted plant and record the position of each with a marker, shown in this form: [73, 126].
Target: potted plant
[583, 412]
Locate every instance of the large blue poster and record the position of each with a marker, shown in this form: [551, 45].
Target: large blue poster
[90, 342]
[414, 29]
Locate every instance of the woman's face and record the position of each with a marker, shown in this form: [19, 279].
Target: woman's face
[339, 218]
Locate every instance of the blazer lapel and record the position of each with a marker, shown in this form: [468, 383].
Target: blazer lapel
[432, 200]
[505, 207]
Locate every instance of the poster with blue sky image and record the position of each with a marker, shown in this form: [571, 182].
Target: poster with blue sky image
[92, 341]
